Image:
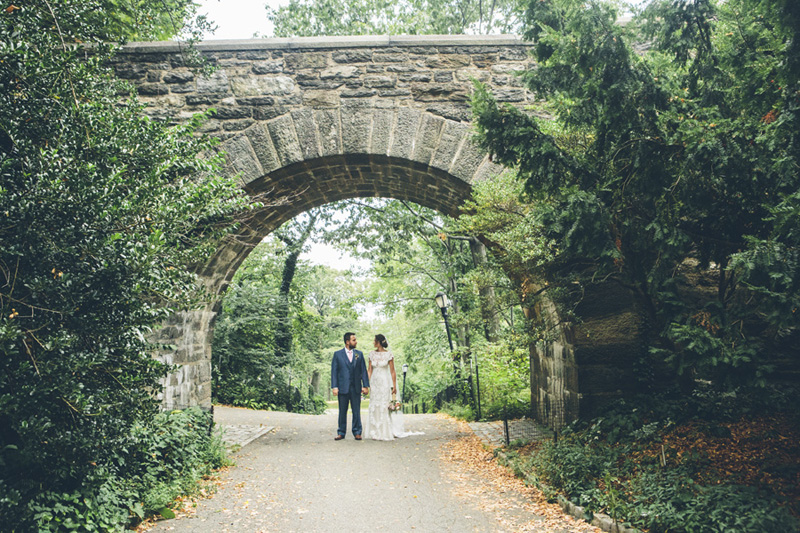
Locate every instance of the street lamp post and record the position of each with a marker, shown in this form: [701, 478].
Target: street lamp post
[441, 301]
[405, 371]
[478, 385]
[403, 396]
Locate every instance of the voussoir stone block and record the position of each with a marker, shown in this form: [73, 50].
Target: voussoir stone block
[330, 131]
[261, 142]
[382, 124]
[356, 125]
[405, 132]
[285, 140]
[307, 135]
[427, 138]
[453, 133]
[242, 158]
[487, 171]
[469, 158]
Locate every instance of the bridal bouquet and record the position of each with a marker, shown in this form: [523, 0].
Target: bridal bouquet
[394, 405]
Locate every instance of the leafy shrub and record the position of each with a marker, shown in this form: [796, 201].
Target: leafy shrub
[174, 452]
[263, 387]
[106, 214]
[456, 410]
[517, 408]
[666, 500]
[573, 466]
[592, 465]
[164, 458]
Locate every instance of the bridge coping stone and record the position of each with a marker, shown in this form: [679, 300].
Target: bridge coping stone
[359, 41]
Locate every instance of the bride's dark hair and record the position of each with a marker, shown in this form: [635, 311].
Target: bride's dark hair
[381, 340]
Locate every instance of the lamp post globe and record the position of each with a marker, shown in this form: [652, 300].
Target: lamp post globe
[441, 300]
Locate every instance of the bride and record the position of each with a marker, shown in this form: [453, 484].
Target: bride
[383, 424]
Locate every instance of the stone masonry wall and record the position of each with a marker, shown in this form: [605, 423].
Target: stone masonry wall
[259, 80]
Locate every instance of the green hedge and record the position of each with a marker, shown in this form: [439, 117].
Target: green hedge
[594, 465]
[164, 459]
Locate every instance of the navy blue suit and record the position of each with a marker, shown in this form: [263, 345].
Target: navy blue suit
[349, 377]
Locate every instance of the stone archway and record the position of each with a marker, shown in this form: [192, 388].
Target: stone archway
[315, 120]
[311, 158]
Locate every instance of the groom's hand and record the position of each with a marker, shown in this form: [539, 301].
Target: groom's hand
[335, 392]
[364, 390]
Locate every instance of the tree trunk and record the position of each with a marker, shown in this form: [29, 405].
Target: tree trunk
[488, 299]
[283, 329]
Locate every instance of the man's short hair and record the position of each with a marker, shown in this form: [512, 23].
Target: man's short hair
[347, 336]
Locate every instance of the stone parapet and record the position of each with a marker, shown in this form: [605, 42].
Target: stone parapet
[262, 79]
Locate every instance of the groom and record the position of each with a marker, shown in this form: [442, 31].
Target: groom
[349, 381]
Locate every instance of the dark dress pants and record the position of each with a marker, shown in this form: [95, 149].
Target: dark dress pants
[352, 399]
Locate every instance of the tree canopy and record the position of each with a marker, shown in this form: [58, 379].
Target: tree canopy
[305, 18]
[104, 213]
[669, 153]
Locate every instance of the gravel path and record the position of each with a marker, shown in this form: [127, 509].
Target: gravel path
[297, 478]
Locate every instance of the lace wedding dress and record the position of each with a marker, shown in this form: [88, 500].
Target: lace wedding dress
[381, 423]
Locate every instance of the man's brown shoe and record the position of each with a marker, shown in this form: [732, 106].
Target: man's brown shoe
[338, 437]
[358, 437]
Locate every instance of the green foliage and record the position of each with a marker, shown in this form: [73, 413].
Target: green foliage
[664, 500]
[104, 215]
[145, 21]
[593, 465]
[500, 212]
[505, 371]
[171, 455]
[384, 17]
[457, 410]
[163, 459]
[248, 368]
[658, 167]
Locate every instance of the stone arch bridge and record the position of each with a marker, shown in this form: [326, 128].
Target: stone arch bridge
[315, 120]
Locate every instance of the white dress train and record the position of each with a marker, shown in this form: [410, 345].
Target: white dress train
[381, 423]
[398, 425]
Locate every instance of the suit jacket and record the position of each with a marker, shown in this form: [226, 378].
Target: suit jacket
[345, 374]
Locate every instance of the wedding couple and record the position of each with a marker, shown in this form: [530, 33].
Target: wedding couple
[350, 378]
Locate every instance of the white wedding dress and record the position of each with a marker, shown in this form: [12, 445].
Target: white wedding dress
[381, 423]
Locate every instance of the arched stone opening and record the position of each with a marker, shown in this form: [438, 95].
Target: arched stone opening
[304, 160]
[311, 157]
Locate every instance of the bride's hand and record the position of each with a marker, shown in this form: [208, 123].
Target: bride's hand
[394, 390]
